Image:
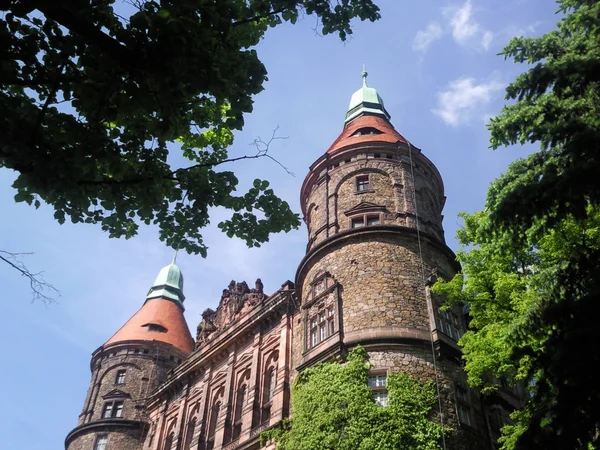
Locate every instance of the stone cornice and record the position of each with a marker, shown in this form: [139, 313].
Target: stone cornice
[354, 234]
[102, 425]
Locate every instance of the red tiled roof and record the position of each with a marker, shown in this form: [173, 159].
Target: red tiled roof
[388, 133]
[165, 313]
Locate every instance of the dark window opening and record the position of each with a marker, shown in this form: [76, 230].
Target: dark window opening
[112, 410]
[366, 220]
[154, 327]
[120, 379]
[362, 183]
[366, 131]
[101, 442]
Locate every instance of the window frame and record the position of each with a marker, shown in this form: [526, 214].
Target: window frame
[364, 219]
[113, 409]
[377, 382]
[362, 183]
[97, 442]
[463, 407]
[120, 376]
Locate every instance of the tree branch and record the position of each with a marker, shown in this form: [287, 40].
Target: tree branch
[257, 18]
[76, 24]
[262, 152]
[36, 280]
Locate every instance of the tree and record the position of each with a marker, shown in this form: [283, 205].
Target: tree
[333, 410]
[533, 311]
[92, 95]
[530, 260]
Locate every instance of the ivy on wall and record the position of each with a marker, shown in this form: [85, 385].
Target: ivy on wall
[333, 410]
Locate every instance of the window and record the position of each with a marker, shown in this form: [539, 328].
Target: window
[237, 417]
[362, 183]
[268, 391]
[112, 410]
[378, 381]
[358, 222]
[330, 322]
[366, 220]
[155, 328]
[101, 442]
[190, 434]
[449, 324]
[212, 427]
[462, 406]
[313, 333]
[381, 398]
[321, 327]
[120, 379]
[107, 413]
[169, 441]
[463, 415]
[378, 384]
[372, 220]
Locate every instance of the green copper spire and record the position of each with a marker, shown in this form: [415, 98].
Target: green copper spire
[366, 101]
[168, 284]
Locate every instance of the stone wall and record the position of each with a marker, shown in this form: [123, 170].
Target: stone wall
[116, 440]
[146, 366]
[234, 359]
[329, 195]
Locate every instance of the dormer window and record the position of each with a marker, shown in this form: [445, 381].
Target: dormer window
[365, 131]
[362, 183]
[155, 328]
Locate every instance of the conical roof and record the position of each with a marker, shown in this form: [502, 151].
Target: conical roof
[366, 121]
[161, 316]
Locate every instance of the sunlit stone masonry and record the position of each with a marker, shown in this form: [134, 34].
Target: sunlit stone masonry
[372, 204]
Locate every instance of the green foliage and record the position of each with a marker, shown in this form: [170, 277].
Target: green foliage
[333, 410]
[91, 98]
[530, 261]
[557, 104]
[533, 310]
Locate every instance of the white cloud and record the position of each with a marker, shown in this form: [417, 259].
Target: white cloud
[424, 38]
[486, 40]
[466, 31]
[463, 99]
[462, 23]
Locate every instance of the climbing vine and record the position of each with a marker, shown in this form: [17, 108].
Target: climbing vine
[333, 410]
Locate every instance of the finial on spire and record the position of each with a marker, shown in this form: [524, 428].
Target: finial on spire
[175, 257]
[364, 75]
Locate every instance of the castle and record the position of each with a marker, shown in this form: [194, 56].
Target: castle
[373, 207]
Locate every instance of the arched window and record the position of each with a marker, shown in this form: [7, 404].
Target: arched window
[189, 435]
[268, 391]
[240, 401]
[169, 441]
[212, 427]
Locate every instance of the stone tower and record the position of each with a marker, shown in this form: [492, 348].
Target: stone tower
[131, 365]
[373, 207]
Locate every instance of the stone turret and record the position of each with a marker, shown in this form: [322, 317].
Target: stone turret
[130, 365]
[373, 207]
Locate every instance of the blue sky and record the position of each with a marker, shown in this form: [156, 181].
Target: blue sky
[436, 66]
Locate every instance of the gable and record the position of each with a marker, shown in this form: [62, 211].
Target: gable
[364, 207]
[116, 393]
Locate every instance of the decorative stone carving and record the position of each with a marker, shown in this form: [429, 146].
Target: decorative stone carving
[235, 301]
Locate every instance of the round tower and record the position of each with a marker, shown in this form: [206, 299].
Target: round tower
[130, 365]
[373, 207]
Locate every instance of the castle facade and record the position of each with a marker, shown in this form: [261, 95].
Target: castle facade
[373, 207]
